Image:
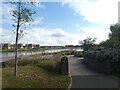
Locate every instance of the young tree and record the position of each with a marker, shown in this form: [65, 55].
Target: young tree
[22, 15]
[114, 36]
[87, 43]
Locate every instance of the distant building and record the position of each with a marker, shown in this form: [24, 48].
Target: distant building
[12, 46]
[6, 46]
[1, 46]
[20, 46]
[36, 46]
[69, 46]
[30, 46]
[26, 46]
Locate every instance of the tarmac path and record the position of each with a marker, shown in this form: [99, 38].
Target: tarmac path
[85, 78]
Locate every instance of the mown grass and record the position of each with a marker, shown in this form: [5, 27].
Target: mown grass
[0, 78]
[42, 74]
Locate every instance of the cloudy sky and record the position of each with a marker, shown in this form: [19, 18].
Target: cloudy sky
[63, 22]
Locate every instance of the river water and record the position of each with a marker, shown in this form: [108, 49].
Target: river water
[10, 55]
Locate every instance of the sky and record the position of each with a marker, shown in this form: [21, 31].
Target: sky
[64, 22]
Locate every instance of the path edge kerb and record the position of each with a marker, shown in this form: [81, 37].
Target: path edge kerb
[69, 76]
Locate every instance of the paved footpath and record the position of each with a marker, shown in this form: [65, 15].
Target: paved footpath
[85, 78]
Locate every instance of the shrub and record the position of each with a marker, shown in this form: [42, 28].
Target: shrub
[105, 59]
[78, 53]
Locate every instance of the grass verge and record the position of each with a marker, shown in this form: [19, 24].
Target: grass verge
[40, 75]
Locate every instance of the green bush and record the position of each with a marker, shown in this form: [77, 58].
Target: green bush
[102, 55]
[104, 58]
[78, 53]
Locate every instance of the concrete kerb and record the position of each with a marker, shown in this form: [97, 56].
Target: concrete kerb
[70, 78]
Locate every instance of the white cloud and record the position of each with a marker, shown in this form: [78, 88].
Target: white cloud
[58, 33]
[38, 21]
[7, 17]
[5, 13]
[0, 13]
[44, 36]
[39, 4]
[7, 36]
[56, 36]
[0, 31]
[95, 11]
[100, 33]
[0, 35]
[102, 12]
[99, 11]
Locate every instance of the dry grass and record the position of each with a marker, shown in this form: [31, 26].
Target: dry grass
[36, 71]
[35, 59]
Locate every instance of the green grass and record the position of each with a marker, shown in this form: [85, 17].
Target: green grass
[0, 78]
[40, 75]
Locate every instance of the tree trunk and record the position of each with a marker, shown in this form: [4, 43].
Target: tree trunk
[16, 42]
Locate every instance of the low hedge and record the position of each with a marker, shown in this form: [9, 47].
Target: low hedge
[78, 53]
[106, 60]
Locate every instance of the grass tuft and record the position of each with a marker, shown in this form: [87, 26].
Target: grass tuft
[35, 73]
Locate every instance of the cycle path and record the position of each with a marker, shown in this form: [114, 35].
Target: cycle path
[83, 77]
